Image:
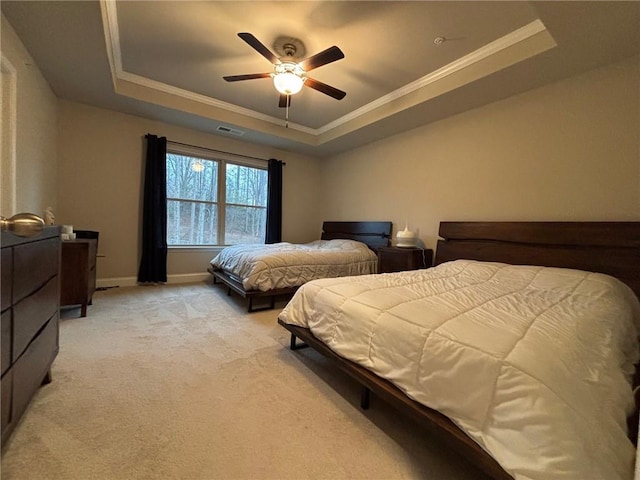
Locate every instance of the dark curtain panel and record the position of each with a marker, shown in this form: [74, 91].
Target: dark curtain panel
[274, 202]
[153, 265]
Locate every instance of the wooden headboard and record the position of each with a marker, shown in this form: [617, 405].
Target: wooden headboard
[605, 247]
[373, 234]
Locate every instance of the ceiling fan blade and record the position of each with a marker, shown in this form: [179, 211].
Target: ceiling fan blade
[329, 55]
[324, 88]
[259, 47]
[284, 99]
[249, 76]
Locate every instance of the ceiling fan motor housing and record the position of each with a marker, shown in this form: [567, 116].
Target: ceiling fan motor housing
[289, 47]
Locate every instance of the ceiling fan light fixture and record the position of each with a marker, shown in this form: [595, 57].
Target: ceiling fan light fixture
[197, 165]
[288, 78]
[287, 83]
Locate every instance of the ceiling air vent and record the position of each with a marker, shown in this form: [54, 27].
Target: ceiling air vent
[230, 131]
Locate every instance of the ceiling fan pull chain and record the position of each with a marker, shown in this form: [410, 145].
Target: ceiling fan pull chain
[286, 123]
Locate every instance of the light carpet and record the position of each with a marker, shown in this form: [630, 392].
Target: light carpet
[179, 382]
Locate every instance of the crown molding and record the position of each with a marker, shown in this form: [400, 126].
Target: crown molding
[209, 101]
[509, 40]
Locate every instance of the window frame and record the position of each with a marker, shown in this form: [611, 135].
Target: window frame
[222, 159]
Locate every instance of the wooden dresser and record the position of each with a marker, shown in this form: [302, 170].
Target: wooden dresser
[30, 310]
[78, 273]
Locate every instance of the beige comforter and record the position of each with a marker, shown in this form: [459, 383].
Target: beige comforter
[282, 265]
[531, 362]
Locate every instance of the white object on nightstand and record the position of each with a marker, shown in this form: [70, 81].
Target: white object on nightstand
[406, 238]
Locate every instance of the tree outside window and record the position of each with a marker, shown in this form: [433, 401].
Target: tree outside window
[214, 202]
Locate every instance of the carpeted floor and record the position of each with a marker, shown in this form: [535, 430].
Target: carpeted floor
[179, 382]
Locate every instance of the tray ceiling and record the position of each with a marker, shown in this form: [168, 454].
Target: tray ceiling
[165, 60]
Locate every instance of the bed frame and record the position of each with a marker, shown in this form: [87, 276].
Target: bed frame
[373, 234]
[606, 247]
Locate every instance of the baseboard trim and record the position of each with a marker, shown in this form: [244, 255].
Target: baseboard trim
[133, 281]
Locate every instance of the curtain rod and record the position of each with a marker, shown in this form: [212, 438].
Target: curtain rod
[220, 151]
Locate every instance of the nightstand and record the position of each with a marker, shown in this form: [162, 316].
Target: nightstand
[78, 273]
[398, 259]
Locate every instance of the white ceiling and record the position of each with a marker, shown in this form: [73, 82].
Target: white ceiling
[165, 59]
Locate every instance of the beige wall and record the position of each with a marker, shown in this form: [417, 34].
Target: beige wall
[101, 158]
[32, 151]
[564, 152]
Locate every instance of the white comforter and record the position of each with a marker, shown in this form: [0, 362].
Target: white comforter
[281, 265]
[529, 361]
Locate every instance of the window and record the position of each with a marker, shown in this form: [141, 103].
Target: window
[214, 200]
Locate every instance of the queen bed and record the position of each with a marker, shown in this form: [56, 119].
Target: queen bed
[266, 271]
[519, 346]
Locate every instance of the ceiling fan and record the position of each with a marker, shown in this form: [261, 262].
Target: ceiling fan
[288, 75]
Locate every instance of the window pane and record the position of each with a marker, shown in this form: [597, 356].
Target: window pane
[191, 178]
[245, 224]
[191, 223]
[246, 185]
[193, 205]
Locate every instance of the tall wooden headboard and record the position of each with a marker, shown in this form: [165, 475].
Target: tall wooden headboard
[605, 247]
[373, 234]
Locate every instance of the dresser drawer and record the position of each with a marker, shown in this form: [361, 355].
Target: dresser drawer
[34, 264]
[6, 275]
[5, 402]
[33, 365]
[32, 313]
[5, 347]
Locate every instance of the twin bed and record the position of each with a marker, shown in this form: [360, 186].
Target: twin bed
[267, 271]
[519, 346]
